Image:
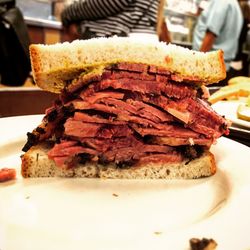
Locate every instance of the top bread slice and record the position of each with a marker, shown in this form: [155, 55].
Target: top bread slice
[55, 65]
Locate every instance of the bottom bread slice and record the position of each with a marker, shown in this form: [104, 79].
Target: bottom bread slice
[35, 163]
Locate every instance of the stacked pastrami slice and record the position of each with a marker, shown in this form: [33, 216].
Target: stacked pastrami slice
[130, 115]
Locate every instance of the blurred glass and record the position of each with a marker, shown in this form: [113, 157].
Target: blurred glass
[43, 9]
[57, 7]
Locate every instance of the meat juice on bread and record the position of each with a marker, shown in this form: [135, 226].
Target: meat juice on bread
[126, 109]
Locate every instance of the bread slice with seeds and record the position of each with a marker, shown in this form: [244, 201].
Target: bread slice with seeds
[35, 163]
[50, 61]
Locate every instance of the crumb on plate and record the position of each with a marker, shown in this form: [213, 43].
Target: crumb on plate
[202, 244]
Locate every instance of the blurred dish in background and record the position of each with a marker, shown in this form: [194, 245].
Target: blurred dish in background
[236, 106]
[237, 87]
[233, 101]
[240, 129]
[243, 110]
[229, 109]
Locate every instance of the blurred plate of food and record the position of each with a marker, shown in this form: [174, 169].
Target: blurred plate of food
[233, 101]
[230, 110]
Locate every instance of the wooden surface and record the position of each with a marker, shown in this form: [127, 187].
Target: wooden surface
[24, 101]
[45, 35]
[36, 34]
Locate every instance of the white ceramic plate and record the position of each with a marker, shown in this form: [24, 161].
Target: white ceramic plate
[60, 213]
[229, 109]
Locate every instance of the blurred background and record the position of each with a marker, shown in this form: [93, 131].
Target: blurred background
[44, 20]
[25, 22]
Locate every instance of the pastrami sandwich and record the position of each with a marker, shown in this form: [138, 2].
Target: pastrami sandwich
[126, 109]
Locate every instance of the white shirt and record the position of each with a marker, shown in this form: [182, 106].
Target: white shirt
[224, 19]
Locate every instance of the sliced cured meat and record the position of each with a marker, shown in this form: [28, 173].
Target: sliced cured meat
[133, 152]
[121, 105]
[124, 112]
[169, 130]
[161, 158]
[137, 120]
[102, 145]
[132, 75]
[100, 95]
[150, 112]
[203, 118]
[131, 114]
[81, 129]
[133, 67]
[82, 81]
[195, 113]
[138, 108]
[7, 174]
[147, 87]
[132, 85]
[175, 141]
[158, 70]
[79, 116]
[62, 150]
[110, 131]
[82, 105]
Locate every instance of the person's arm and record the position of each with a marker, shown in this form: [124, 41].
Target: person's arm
[216, 15]
[199, 10]
[71, 33]
[208, 41]
[164, 35]
[92, 10]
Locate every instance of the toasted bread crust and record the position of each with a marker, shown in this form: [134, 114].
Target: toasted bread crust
[35, 163]
[54, 65]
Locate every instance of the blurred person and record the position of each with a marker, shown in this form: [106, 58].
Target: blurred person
[86, 19]
[201, 5]
[164, 34]
[14, 45]
[161, 28]
[239, 65]
[218, 27]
